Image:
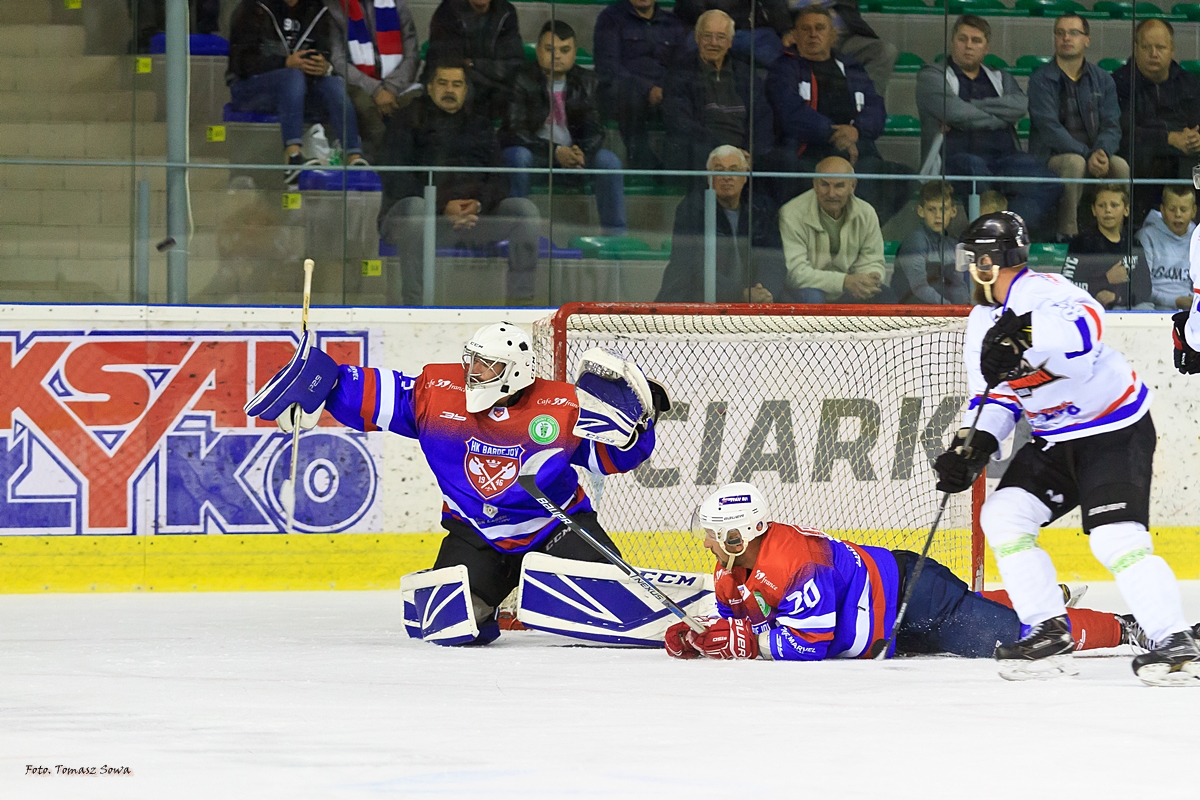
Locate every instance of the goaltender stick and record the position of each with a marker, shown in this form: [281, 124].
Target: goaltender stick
[476, 423]
[795, 594]
[1037, 340]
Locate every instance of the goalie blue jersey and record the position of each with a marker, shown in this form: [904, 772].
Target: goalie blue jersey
[812, 597]
[476, 457]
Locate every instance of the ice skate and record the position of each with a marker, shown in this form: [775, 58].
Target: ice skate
[1045, 651]
[1133, 635]
[1174, 662]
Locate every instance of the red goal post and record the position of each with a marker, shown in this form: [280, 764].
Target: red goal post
[835, 411]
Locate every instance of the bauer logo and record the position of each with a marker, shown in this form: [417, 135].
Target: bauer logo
[119, 432]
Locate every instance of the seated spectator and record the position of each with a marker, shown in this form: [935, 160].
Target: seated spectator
[151, 19]
[375, 49]
[707, 100]
[969, 114]
[1164, 141]
[760, 36]
[279, 64]
[992, 201]
[485, 34]
[1101, 261]
[925, 269]
[636, 41]
[570, 126]
[824, 105]
[1075, 126]
[855, 38]
[440, 129]
[832, 244]
[749, 265]
[1166, 237]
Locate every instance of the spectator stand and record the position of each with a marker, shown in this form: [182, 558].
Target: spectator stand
[336, 201]
[209, 58]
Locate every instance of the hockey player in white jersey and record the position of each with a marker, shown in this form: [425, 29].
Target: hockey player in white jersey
[1034, 346]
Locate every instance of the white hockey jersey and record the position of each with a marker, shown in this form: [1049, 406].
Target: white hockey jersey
[1072, 385]
[1192, 331]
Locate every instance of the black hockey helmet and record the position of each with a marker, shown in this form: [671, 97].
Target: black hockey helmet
[1001, 235]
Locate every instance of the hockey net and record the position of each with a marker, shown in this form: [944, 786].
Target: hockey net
[835, 412]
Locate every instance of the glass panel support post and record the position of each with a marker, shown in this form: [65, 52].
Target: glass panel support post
[177, 149]
[141, 266]
[710, 244]
[430, 249]
[973, 203]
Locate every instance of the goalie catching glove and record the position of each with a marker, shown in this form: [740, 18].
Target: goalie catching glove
[959, 467]
[616, 401]
[1187, 360]
[297, 393]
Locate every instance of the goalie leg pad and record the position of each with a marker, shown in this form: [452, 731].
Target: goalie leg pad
[439, 608]
[596, 601]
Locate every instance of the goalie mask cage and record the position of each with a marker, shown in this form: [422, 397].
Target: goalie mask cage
[835, 412]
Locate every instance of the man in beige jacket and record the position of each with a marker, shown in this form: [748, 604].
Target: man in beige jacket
[832, 242]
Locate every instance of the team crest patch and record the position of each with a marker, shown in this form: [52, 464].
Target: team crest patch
[543, 429]
[491, 468]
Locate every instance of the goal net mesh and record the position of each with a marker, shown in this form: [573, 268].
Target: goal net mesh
[836, 418]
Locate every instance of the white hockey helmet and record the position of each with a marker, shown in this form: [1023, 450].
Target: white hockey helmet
[503, 354]
[735, 514]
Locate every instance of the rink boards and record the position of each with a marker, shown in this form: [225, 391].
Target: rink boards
[128, 465]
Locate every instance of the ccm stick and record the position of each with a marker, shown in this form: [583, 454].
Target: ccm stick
[879, 650]
[287, 493]
[527, 479]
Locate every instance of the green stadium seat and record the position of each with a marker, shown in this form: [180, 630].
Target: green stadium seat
[986, 8]
[1188, 10]
[616, 248]
[901, 125]
[995, 62]
[1190, 65]
[1123, 9]
[909, 62]
[1046, 254]
[877, 5]
[1056, 8]
[889, 251]
[1023, 128]
[1111, 64]
[1031, 63]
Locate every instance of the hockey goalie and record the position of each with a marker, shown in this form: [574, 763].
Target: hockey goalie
[476, 423]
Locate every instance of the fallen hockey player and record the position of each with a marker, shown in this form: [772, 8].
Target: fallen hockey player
[790, 593]
[476, 423]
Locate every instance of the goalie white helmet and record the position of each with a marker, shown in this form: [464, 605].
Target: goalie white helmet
[734, 515]
[497, 362]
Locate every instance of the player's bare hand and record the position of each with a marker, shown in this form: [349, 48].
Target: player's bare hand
[862, 285]
[757, 294]
[1106, 297]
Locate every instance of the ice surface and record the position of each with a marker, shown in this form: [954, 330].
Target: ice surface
[321, 695]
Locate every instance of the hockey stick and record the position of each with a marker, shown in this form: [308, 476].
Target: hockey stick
[880, 648]
[287, 492]
[528, 481]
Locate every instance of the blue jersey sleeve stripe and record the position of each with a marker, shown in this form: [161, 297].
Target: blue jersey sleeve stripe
[1085, 335]
[387, 399]
[1012, 408]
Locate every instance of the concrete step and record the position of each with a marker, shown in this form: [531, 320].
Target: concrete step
[49, 41]
[25, 12]
[111, 140]
[65, 74]
[78, 107]
[210, 209]
[117, 181]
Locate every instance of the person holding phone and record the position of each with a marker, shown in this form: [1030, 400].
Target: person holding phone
[279, 64]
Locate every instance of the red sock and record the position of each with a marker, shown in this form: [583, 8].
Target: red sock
[997, 596]
[1093, 629]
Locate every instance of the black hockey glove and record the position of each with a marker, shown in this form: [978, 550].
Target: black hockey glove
[1187, 360]
[957, 468]
[1004, 346]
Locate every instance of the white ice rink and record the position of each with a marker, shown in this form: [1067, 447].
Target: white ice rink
[321, 695]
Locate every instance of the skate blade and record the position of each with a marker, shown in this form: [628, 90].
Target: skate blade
[1162, 675]
[1043, 669]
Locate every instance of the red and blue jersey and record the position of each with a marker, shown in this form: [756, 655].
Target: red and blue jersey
[816, 597]
[476, 457]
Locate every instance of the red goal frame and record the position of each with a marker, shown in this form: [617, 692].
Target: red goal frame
[567, 310]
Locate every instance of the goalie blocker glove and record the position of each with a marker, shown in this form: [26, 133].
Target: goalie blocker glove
[307, 380]
[616, 401]
[1187, 360]
[1004, 346]
[959, 467]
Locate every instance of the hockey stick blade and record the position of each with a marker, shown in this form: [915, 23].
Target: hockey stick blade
[527, 480]
[879, 650]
